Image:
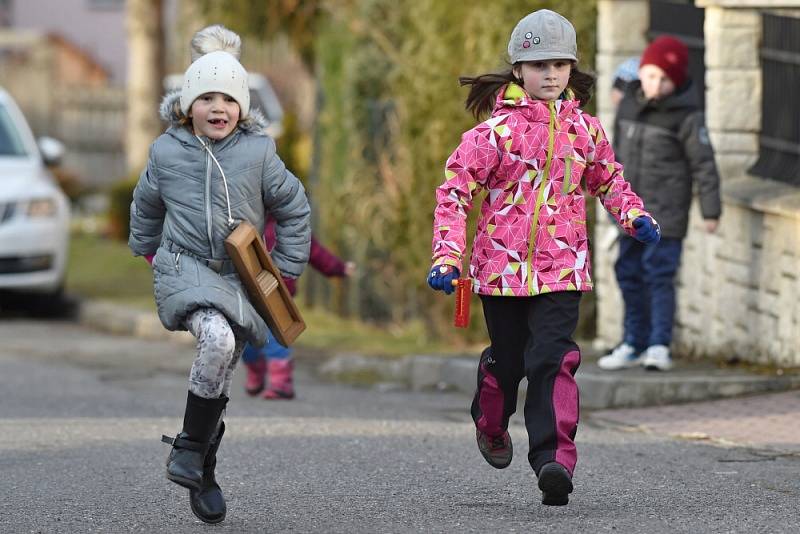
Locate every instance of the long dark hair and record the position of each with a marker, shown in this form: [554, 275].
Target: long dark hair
[484, 88]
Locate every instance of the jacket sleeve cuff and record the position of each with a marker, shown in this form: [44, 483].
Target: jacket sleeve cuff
[444, 260]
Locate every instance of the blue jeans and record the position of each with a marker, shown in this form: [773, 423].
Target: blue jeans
[271, 351]
[646, 276]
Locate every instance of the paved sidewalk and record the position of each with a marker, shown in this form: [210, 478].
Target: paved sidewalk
[769, 421]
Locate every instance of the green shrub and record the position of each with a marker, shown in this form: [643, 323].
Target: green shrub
[393, 113]
[119, 208]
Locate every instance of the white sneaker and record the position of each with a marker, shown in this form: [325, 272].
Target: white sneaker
[656, 358]
[622, 357]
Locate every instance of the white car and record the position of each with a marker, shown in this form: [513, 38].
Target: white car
[34, 212]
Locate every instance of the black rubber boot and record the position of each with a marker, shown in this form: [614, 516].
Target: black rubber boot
[186, 459]
[208, 503]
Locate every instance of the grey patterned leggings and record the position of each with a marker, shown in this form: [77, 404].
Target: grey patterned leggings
[218, 350]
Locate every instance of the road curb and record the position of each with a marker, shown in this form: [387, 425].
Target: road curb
[115, 319]
[598, 389]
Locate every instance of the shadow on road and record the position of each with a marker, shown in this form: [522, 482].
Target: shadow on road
[15, 305]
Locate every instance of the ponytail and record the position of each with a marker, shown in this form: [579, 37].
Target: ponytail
[582, 84]
[483, 91]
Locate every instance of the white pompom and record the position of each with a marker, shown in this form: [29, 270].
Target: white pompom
[215, 38]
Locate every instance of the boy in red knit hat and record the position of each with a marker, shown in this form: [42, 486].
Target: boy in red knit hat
[661, 138]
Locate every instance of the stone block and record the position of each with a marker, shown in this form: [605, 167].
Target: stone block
[733, 99]
[425, 372]
[767, 303]
[787, 327]
[622, 25]
[732, 166]
[726, 142]
[363, 369]
[597, 391]
[720, 17]
[729, 48]
[461, 374]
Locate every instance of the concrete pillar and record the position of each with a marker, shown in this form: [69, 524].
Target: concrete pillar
[733, 81]
[622, 27]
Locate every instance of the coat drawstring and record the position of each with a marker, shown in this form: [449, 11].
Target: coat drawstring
[231, 222]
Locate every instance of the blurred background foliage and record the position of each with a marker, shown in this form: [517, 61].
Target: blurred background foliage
[388, 113]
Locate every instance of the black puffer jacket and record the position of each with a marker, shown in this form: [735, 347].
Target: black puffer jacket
[664, 147]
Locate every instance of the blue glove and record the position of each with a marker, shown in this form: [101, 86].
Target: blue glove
[441, 278]
[647, 230]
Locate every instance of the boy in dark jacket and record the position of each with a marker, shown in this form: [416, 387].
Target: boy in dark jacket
[661, 138]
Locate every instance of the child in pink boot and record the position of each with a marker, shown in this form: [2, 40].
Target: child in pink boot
[271, 366]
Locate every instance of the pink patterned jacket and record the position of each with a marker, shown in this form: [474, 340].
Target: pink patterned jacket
[532, 157]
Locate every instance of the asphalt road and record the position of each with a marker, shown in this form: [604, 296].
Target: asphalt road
[81, 415]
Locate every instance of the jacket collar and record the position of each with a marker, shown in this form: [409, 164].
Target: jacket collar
[513, 97]
[685, 97]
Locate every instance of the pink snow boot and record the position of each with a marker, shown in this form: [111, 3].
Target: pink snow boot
[280, 380]
[254, 383]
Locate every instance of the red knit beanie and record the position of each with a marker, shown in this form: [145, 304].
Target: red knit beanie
[671, 55]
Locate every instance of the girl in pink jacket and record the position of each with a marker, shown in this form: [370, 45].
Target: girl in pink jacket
[534, 157]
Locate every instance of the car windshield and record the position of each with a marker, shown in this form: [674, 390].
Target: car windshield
[10, 141]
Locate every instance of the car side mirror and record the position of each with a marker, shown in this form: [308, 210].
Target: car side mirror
[52, 150]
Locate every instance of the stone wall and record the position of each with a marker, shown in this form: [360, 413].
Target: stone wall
[738, 288]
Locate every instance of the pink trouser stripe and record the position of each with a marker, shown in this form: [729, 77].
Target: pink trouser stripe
[565, 409]
[490, 402]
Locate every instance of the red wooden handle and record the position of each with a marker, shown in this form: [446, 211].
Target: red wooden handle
[463, 293]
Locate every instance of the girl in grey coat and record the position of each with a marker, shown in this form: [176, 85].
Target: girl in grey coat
[213, 168]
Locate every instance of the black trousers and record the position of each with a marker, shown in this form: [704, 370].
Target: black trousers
[531, 337]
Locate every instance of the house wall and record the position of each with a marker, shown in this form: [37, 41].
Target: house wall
[737, 289]
[99, 31]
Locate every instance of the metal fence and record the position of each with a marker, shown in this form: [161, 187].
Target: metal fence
[779, 141]
[683, 20]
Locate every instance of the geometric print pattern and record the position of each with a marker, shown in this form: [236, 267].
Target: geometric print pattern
[534, 160]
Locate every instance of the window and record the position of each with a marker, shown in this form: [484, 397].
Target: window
[10, 141]
[683, 20]
[779, 141]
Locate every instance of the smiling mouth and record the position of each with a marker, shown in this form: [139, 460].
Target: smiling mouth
[218, 122]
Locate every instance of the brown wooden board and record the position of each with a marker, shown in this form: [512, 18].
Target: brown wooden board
[264, 283]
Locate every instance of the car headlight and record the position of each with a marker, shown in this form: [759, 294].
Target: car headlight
[42, 207]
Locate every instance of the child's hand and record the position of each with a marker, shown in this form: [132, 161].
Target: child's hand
[350, 268]
[647, 230]
[441, 278]
[711, 225]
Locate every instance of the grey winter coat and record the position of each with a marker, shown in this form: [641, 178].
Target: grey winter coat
[665, 148]
[180, 213]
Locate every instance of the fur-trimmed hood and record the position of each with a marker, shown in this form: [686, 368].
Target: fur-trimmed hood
[255, 123]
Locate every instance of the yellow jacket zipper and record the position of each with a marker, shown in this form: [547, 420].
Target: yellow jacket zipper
[540, 197]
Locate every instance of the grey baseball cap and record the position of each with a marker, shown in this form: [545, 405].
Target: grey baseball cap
[543, 35]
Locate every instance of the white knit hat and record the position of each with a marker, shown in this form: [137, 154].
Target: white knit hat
[217, 71]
